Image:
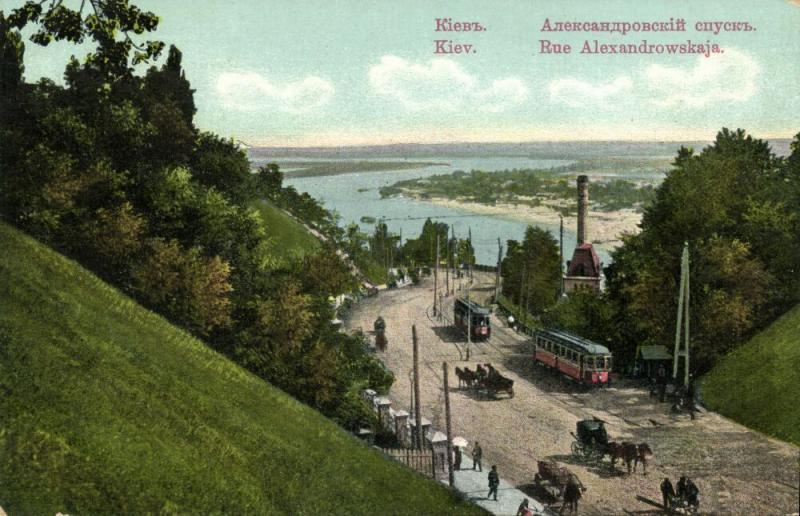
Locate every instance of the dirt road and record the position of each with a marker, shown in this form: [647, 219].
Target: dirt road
[737, 470]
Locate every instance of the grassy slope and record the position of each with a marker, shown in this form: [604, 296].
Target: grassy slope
[288, 237]
[107, 408]
[758, 385]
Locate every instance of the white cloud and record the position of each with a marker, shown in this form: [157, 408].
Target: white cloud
[578, 93]
[730, 76]
[249, 91]
[442, 85]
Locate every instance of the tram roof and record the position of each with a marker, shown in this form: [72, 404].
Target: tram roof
[474, 307]
[572, 340]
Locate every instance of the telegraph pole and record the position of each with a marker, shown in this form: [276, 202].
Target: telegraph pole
[470, 258]
[561, 255]
[469, 319]
[436, 277]
[497, 275]
[522, 288]
[448, 428]
[417, 410]
[683, 312]
[447, 267]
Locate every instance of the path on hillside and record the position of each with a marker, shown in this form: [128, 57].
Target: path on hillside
[736, 470]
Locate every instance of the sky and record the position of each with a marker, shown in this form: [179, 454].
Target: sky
[329, 73]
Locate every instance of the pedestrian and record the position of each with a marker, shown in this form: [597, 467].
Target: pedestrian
[667, 493]
[457, 464]
[681, 489]
[572, 493]
[523, 509]
[692, 494]
[494, 483]
[477, 454]
[662, 382]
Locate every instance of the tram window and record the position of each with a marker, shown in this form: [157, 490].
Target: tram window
[588, 362]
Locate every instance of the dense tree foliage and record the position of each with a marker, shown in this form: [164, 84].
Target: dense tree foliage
[736, 205]
[531, 271]
[111, 170]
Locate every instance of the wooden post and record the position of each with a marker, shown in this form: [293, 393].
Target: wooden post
[561, 255]
[436, 277]
[417, 410]
[497, 276]
[448, 428]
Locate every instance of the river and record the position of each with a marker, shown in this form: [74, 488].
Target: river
[356, 195]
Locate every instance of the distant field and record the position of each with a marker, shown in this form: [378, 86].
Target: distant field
[106, 408]
[333, 168]
[758, 384]
[289, 237]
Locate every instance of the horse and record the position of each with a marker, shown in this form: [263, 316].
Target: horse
[643, 452]
[626, 452]
[465, 377]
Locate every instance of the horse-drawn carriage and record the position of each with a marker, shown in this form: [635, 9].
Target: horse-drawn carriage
[553, 479]
[591, 441]
[485, 379]
[591, 444]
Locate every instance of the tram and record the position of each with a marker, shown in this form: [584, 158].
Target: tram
[580, 359]
[479, 325]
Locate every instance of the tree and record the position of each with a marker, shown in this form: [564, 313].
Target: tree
[532, 271]
[109, 23]
[189, 288]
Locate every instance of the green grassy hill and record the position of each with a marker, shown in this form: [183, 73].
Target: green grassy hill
[107, 408]
[287, 236]
[758, 385]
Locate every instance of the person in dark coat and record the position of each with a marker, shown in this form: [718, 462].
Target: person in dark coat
[494, 483]
[681, 488]
[692, 493]
[572, 493]
[667, 493]
[477, 454]
[457, 463]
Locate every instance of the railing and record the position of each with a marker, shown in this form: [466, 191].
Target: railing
[421, 461]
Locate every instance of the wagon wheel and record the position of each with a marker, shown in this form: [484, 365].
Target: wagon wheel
[577, 449]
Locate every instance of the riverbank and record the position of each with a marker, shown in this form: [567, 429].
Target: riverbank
[605, 228]
[298, 169]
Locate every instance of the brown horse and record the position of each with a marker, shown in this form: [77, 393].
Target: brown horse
[465, 377]
[625, 452]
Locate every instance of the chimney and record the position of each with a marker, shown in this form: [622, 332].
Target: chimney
[583, 208]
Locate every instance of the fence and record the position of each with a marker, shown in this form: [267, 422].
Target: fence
[421, 461]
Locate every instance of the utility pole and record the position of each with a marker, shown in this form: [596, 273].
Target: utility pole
[417, 410]
[561, 256]
[447, 266]
[469, 320]
[497, 275]
[455, 256]
[448, 427]
[436, 277]
[470, 258]
[522, 289]
[683, 312]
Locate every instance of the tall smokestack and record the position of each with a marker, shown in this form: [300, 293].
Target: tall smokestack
[583, 208]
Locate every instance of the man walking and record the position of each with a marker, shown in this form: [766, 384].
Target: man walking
[477, 454]
[494, 483]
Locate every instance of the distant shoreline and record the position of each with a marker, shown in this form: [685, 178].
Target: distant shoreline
[335, 168]
[605, 228]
